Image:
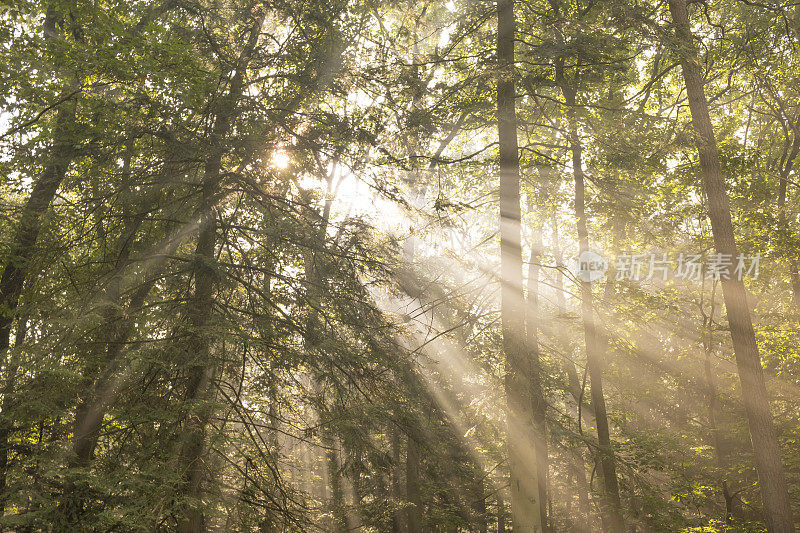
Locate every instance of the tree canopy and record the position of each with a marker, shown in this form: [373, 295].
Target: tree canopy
[463, 266]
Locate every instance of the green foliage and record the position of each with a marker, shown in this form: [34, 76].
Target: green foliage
[355, 296]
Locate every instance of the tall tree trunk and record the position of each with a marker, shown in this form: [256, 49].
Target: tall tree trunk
[201, 304]
[101, 377]
[336, 503]
[482, 523]
[774, 492]
[198, 352]
[413, 493]
[611, 509]
[721, 443]
[785, 229]
[6, 422]
[525, 508]
[578, 467]
[418, 184]
[558, 253]
[315, 276]
[101, 389]
[112, 334]
[26, 233]
[399, 518]
[538, 404]
[501, 513]
[23, 243]
[16, 268]
[358, 495]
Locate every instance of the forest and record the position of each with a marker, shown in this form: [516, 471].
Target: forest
[525, 266]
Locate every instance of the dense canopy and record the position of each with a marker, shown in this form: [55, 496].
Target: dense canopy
[411, 266]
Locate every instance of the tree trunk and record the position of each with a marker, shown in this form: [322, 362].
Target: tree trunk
[525, 509]
[413, 494]
[482, 524]
[198, 350]
[23, 243]
[611, 508]
[579, 467]
[102, 378]
[113, 334]
[6, 422]
[15, 271]
[418, 189]
[774, 493]
[538, 404]
[399, 520]
[336, 501]
[314, 279]
[721, 444]
[785, 229]
[201, 304]
[358, 497]
[501, 514]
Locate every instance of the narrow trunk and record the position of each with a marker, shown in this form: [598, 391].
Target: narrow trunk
[785, 229]
[6, 423]
[721, 447]
[418, 190]
[538, 404]
[315, 276]
[23, 243]
[15, 271]
[525, 509]
[774, 492]
[113, 334]
[480, 505]
[501, 514]
[336, 502]
[399, 522]
[198, 354]
[91, 409]
[102, 378]
[358, 497]
[201, 304]
[413, 494]
[561, 304]
[578, 467]
[611, 508]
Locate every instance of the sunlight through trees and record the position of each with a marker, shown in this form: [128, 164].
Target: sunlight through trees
[463, 266]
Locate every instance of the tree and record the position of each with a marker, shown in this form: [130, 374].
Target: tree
[266, 293]
[778, 511]
[16, 268]
[525, 506]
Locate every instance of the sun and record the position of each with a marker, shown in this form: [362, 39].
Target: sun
[280, 160]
